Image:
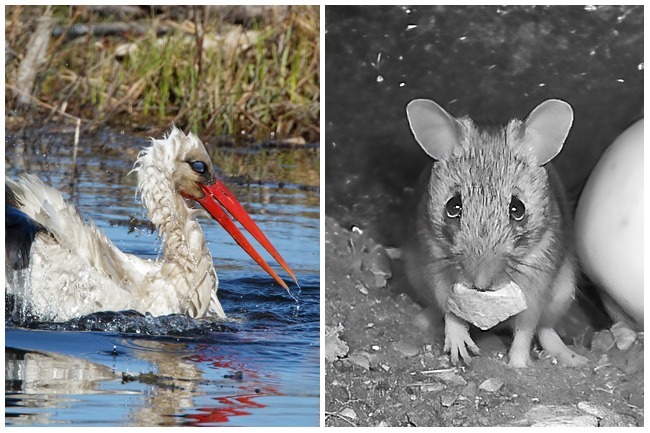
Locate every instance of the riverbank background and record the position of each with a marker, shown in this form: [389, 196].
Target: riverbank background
[248, 73]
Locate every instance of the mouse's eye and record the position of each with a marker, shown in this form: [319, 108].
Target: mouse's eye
[517, 209]
[454, 206]
[199, 166]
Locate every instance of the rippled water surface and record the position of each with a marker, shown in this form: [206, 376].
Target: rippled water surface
[260, 368]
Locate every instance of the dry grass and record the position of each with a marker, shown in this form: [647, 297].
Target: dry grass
[204, 73]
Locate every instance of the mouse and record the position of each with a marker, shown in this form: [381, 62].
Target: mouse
[490, 211]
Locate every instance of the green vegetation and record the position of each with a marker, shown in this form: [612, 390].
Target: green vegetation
[190, 65]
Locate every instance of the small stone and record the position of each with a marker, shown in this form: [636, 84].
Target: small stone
[492, 384]
[623, 335]
[576, 421]
[447, 399]
[334, 347]
[607, 417]
[451, 378]
[618, 420]
[556, 416]
[385, 367]
[376, 348]
[602, 341]
[361, 288]
[339, 393]
[406, 349]
[362, 359]
[348, 413]
[593, 409]
[432, 387]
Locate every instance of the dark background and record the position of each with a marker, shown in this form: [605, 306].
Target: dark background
[492, 63]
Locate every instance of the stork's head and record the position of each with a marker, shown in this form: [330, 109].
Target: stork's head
[192, 167]
[183, 160]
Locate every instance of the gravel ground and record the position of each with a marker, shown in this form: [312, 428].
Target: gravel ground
[385, 364]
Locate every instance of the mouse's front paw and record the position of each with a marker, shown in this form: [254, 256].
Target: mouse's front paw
[458, 340]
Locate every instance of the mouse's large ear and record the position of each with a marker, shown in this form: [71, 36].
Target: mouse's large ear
[434, 129]
[546, 128]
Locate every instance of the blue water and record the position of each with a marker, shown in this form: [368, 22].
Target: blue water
[260, 368]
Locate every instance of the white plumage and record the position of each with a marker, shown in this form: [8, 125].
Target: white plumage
[74, 269]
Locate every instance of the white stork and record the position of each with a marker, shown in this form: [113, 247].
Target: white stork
[72, 269]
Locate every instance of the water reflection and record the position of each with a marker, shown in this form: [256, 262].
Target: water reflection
[166, 391]
[211, 373]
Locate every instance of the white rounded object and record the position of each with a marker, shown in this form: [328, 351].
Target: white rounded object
[609, 222]
[486, 309]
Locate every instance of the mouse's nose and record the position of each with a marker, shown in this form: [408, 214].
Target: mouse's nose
[484, 273]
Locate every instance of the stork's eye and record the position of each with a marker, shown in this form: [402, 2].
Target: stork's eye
[517, 209]
[454, 206]
[199, 166]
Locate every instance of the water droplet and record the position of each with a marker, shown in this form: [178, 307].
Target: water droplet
[591, 8]
[402, 84]
[380, 78]
[640, 66]
[411, 27]
[542, 84]
[620, 80]
[356, 230]
[462, 38]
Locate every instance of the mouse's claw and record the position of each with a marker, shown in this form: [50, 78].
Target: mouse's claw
[458, 340]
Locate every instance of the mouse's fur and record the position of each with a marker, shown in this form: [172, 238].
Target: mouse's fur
[485, 247]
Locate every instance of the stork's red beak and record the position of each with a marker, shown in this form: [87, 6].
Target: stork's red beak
[217, 198]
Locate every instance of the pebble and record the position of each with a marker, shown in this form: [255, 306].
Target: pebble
[339, 393]
[348, 413]
[593, 409]
[362, 289]
[607, 417]
[492, 384]
[623, 336]
[432, 387]
[618, 420]
[448, 398]
[362, 359]
[557, 416]
[334, 347]
[451, 378]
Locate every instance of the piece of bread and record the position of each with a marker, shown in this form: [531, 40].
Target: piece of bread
[486, 309]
